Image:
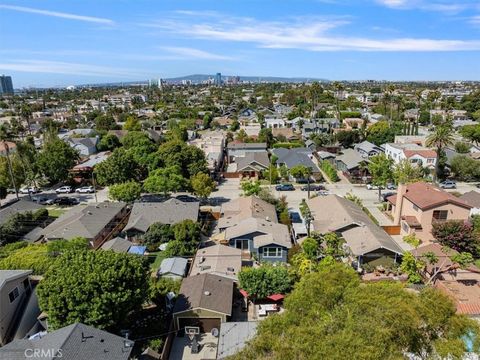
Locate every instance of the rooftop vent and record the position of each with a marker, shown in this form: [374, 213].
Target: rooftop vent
[206, 293]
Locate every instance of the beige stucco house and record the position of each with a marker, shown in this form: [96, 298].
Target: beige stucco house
[416, 207]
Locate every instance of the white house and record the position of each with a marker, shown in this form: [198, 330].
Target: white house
[275, 123]
[414, 153]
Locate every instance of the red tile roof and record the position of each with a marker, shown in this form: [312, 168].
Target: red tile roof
[468, 308]
[426, 153]
[427, 196]
[412, 221]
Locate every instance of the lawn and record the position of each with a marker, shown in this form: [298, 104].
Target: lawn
[55, 213]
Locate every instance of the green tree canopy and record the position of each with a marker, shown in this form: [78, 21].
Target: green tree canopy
[265, 280]
[56, 159]
[132, 124]
[202, 185]
[165, 180]
[380, 167]
[98, 288]
[128, 191]
[190, 159]
[108, 142]
[330, 315]
[380, 133]
[250, 187]
[120, 167]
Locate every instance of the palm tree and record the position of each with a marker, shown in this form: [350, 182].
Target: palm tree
[389, 92]
[4, 136]
[337, 86]
[440, 139]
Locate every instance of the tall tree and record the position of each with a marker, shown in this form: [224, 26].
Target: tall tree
[440, 139]
[165, 180]
[380, 167]
[56, 158]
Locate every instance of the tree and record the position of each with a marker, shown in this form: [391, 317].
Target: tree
[158, 234]
[98, 288]
[380, 133]
[265, 136]
[202, 185]
[108, 142]
[331, 315]
[310, 248]
[190, 159]
[412, 266]
[302, 172]
[132, 124]
[405, 172]
[128, 191]
[138, 139]
[348, 138]
[105, 123]
[380, 167]
[56, 159]
[471, 132]
[264, 281]
[120, 167]
[250, 187]
[465, 168]
[457, 235]
[165, 180]
[462, 147]
[440, 138]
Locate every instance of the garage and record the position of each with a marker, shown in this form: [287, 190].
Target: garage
[206, 324]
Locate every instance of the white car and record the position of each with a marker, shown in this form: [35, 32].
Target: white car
[85, 190]
[28, 190]
[373, 187]
[64, 190]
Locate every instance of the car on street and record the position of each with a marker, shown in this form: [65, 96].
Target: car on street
[386, 195]
[85, 190]
[323, 193]
[391, 186]
[10, 191]
[66, 201]
[313, 187]
[284, 187]
[295, 217]
[64, 190]
[42, 200]
[373, 187]
[448, 184]
[29, 190]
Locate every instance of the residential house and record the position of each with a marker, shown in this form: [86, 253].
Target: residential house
[414, 153]
[97, 223]
[416, 207]
[73, 342]
[17, 207]
[249, 166]
[285, 133]
[251, 129]
[352, 164]
[234, 336]
[274, 123]
[15, 297]
[171, 212]
[213, 145]
[205, 301]
[118, 245]
[236, 149]
[318, 126]
[174, 268]
[472, 198]
[367, 243]
[366, 149]
[420, 140]
[86, 167]
[223, 122]
[352, 124]
[461, 284]
[217, 259]
[84, 146]
[297, 156]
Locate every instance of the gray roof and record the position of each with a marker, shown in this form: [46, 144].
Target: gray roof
[234, 145]
[350, 158]
[85, 221]
[233, 336]
[173, 265]
[205, 291]
[171, 211]
[367, 147]
[345, 217]
[8, 275]
[117, 244]
[267, 232]
[76, 342]
[253, 159]
[88, 142]
[20, 206]
[294, 157]
[472, 198]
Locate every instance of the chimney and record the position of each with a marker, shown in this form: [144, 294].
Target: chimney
[402, 189]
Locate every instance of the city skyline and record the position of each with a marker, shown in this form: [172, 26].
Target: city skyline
[66, 43]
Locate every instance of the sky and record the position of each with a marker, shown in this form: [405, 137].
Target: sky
[69, 42]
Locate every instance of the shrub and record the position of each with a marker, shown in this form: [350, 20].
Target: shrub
[329, 170]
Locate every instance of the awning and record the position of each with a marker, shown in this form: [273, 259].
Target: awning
[244, 293]
[276, 297]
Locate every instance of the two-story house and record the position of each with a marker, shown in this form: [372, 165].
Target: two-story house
[416, 207]
[414, 153]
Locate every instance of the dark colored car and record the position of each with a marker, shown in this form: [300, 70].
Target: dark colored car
[66, 201]
[295, 217]
[313, 187]
[284, 187]
[387, 195]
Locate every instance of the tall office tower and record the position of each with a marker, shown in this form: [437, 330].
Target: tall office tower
[218, 79]
[6, 85]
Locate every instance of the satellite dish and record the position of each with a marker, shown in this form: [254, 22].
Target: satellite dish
[215, 332]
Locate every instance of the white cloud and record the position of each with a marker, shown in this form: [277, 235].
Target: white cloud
[308, 34]
[187, 53]
[446, 7]
[57, 67]
[58, 14]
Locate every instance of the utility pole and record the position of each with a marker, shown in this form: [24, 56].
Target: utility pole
[94, 187]
[12, 179]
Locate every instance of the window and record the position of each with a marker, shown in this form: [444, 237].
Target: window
[241, 244]
[272, 252]
[430, 161]
[415, 207]
[440, 215]
[13, 295]
[405, 227]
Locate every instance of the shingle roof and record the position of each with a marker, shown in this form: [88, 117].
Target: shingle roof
[73, 342]
[85, 221]
[294, 157]
[426, 196]
[205, 291]
[171, 211]
[333, 213]
[117, 244]
[471, 198]
[235, 145]
[18, 207]
[350, 158]
[219, 260]
[250, 158]
[173, 265]
[279, 232]
[244, 207]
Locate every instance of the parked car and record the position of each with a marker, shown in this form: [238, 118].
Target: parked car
[29, 190]
[85, 190]
[10, 191]
[391, 186]
[295, 217]
[64, 190]
[66, 201]
[284, 187]
[387, 195]
[374, 187]
[448, 184]
[42, 200]
[313, 187]
[323, 193]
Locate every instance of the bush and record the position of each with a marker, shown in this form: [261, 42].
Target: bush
[458, 235]
[34, 257]
[329, 170]
[157, 234]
